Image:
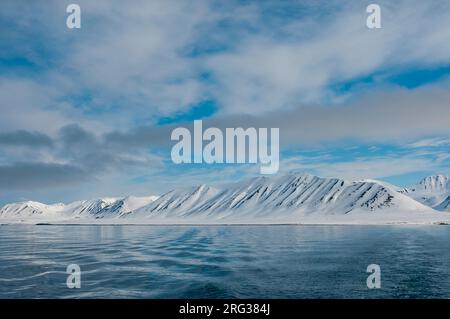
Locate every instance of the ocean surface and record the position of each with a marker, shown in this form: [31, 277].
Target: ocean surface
[224, 261]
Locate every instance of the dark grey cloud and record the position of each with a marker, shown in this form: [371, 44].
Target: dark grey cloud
[74, 135]
[96, 154]
[40, 175]
[145, 136]
[87, 156]
[392, 116]
[25, 138]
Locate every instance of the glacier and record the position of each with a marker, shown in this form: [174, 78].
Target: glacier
[286, 199]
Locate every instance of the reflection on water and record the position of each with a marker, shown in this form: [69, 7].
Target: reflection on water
[224, 261]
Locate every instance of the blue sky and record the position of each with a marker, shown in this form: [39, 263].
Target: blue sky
[88, 112]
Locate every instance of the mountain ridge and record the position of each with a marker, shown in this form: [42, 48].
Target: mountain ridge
[291, 198]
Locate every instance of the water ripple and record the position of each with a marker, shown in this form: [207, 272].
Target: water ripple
[224, 261]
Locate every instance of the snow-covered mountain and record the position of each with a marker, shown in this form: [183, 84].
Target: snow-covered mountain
[433, 191]
[290, 198]
[444, 205]
[124, 206]
[293, 198]
[87, 209]
[30, 209]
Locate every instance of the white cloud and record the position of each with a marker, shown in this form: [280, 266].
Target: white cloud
[131, 62]
[266, 73]
[430, 142]
[132, 58]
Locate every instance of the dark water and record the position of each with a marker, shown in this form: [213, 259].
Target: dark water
[225, 261]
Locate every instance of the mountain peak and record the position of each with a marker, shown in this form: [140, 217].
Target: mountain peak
[432, 191]
[439, 182]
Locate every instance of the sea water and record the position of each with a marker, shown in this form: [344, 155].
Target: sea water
[274, 261]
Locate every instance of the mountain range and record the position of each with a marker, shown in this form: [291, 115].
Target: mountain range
[292, 198]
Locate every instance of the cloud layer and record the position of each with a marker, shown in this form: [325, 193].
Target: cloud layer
[82, 107]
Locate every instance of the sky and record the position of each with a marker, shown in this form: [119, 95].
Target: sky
[88, 113]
